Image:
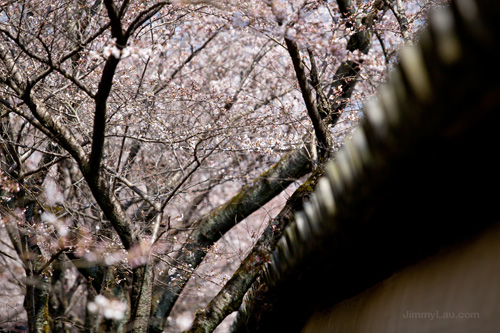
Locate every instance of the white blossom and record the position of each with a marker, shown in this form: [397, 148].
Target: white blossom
[111, 308]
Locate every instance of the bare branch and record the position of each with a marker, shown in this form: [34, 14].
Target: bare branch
[188, 60]
[42, 168]
[320, 129]
[144, 16]
[52, 258]
[130, 186]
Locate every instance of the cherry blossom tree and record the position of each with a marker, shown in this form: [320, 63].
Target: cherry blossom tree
[137, 135]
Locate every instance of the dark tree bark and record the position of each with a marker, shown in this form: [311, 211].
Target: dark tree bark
[213, 225]
[229, 298]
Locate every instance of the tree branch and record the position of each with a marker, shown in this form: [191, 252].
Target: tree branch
[320, 129]
[14, 79]
[322, 102]
[216, 223]
[52, 258]
[188, 59]
[262, 52]
[348, 71]
[230, 297]
[49, 63]
[144, 16]
[116, 24]
[59, 132]
[400, 15]
[103, 91]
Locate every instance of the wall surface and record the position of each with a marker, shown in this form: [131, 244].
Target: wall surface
[455, 291]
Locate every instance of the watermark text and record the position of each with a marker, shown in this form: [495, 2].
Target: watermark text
[440, 315]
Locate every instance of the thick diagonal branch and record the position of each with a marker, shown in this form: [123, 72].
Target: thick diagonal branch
[216, 223]
[230, 297]
[59, 132]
